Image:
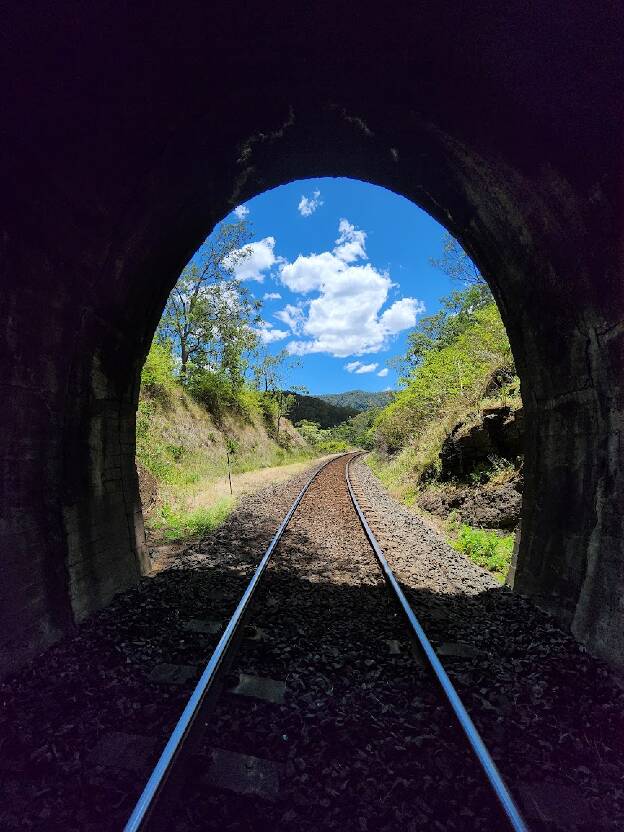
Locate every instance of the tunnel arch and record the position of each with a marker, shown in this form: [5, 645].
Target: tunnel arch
[100, 228]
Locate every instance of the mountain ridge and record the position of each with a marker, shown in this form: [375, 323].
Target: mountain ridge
[358, 400]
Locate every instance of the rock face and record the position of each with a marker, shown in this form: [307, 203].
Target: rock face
[148, 488]
[498, 434]
[120, 153]
[490, 506]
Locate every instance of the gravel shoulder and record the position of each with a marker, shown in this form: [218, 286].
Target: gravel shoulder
[552, 716]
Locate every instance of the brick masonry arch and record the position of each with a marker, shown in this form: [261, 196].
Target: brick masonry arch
[130, 132]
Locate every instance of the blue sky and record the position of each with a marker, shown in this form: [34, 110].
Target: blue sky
[343, 270]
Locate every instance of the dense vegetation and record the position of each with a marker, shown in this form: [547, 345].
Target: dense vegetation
[314, 409]
[359, 400]
[355, 432]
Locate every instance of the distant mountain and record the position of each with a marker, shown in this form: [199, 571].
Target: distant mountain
[359, 400]
[324, 413]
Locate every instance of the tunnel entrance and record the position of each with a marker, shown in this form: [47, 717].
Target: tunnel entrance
[499, 149]
[322, 316]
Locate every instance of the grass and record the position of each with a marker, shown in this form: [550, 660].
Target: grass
[176, 524]
[179, 443]
[485, 548]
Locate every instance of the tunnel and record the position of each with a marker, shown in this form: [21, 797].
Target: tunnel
[130, 131]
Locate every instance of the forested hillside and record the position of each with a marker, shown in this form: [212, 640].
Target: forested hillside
[359, 400]
[313, 409]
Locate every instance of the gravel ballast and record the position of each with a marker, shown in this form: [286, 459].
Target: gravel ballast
[344, 728]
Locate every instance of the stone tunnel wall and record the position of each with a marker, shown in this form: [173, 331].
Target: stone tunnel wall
[127, 138]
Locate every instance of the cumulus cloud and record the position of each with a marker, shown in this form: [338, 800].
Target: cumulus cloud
[292, 316]
[358, 367]
[271, 296]
[345, 317]
[350, 245]
[241, 211]
[250, 261]
[309, 204]
[402, 314]
[383, 373]
[268, 334]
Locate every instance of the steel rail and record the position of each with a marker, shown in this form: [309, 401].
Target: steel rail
[486, 762]
[154, 790]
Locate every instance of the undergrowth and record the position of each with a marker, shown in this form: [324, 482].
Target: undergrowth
[485, 548]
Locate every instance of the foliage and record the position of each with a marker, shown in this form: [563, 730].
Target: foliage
[315, 409]
[435, 332]
[359, 400]
[157, 375]
[322, 440]
[209, 314]
[216, 392]
[447, 380]
[270, 375]
[353, 433]
[485, 548]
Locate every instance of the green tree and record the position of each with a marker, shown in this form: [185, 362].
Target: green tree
[270, 376]
[209, 315]
[435, 332]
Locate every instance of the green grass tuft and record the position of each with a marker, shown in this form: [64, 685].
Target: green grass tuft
[177, 524]
[485, 548]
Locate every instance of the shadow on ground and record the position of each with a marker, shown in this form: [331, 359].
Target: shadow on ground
[367, 746]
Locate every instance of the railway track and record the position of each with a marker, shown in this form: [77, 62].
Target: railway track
[318, 604]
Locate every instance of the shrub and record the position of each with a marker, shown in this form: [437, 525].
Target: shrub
[157, 378]
[212, 390]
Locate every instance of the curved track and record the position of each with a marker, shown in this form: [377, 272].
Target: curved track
[322, 592]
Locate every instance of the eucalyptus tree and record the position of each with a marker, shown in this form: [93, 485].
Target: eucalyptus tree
[210, 314]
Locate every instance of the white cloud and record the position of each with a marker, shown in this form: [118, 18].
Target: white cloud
[350, 245]
[308, 273]
[308, 205]
[292, 316]
[271, 296]
[358, 367]
[268, 336]
[251, 260]
[345, 318]
[402, 314]
[383, 373]
[241, 211]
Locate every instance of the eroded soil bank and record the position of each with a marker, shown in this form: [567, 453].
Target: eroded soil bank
[357, 726]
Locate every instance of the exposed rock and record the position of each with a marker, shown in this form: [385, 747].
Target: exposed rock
[148, 489]
[490, 506]
[498, 433]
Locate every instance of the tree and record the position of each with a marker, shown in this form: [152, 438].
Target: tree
[270, 373]
[459, 308]
[209, 315]
[457, 264]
